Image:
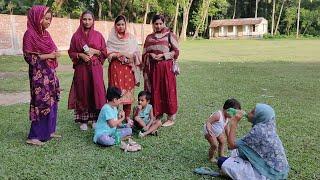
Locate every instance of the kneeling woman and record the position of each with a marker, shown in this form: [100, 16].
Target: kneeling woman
[260, 154]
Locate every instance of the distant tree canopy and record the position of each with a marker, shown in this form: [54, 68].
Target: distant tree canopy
[193, 15]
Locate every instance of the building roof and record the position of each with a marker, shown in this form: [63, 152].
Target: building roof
[236, 22]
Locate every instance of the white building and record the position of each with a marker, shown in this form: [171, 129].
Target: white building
[238, 28]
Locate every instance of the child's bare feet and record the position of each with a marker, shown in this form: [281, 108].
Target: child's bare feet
[155, 133]
[35, 142]
[141, 134]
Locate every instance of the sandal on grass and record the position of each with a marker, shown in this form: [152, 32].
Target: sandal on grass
[35, 142]
[129, 148]
[133, 143]
[206, 171]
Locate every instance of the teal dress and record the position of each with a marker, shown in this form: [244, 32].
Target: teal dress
[102, 128]
[145, 114]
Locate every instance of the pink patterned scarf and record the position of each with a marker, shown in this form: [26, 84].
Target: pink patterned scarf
[37, 40]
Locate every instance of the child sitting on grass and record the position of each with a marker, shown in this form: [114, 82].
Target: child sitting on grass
[109, 121]
[143, 116]
[215, 127]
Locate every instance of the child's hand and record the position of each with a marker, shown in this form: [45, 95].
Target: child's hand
[129, 123]
[121, 114]
[139, 107]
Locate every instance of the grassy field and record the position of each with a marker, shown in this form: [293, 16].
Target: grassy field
[282, 73]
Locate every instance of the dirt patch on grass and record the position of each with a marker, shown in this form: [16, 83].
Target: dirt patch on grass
[7, 99]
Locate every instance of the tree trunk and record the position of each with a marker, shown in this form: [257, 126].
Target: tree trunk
[275, 31]
[100, 9]
[176, 19]
[186, 9]
[203, 19]
[109, 11]
[305, 30]
[144, 22]
[123, 4]
[256, 13]
[298, 19]
[234, 9]
[273, 12]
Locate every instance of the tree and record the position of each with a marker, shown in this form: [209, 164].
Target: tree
[234, 9]
[109, 9]
[100, 6]
[176, 19]
[256, 13]
[202, 16]
[186, 4]
[273, 12]
[298, 18]
[276, 30]
[123, 4]
[289, 18]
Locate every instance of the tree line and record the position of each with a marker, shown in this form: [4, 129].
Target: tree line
[189, 17]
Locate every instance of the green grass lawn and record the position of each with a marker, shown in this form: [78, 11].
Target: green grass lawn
[282, 73]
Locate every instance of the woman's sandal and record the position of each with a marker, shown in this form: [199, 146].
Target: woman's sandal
[35, 142]
[206, 171]
[168, 123]
[55, 136]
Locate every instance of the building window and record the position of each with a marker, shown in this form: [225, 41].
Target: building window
[230, 29]
[254, 28]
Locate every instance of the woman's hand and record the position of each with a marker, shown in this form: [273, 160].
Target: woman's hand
[156, 57]
[56, 54]
[53, 55]
[159, 57]
[126, 54]
[84, 57]
[93, 52]
[238, 116]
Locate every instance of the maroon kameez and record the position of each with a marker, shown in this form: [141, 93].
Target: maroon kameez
[160, 80]
[87, 93]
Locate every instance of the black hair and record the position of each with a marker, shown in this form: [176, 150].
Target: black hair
[88, 12]
[119, 18]
[49, 11]
[232, 103]
[156, 17]
[147, 94]
[113, 93]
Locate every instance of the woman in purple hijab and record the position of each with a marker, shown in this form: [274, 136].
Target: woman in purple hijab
[40, 52]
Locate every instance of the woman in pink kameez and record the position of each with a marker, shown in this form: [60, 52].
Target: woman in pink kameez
[88, 53]
[161, 49]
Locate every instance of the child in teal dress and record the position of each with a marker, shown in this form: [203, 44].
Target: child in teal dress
[143, 115]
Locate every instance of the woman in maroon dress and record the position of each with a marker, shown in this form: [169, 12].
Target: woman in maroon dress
[40, 52]
[161, 49]
[88, 53]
